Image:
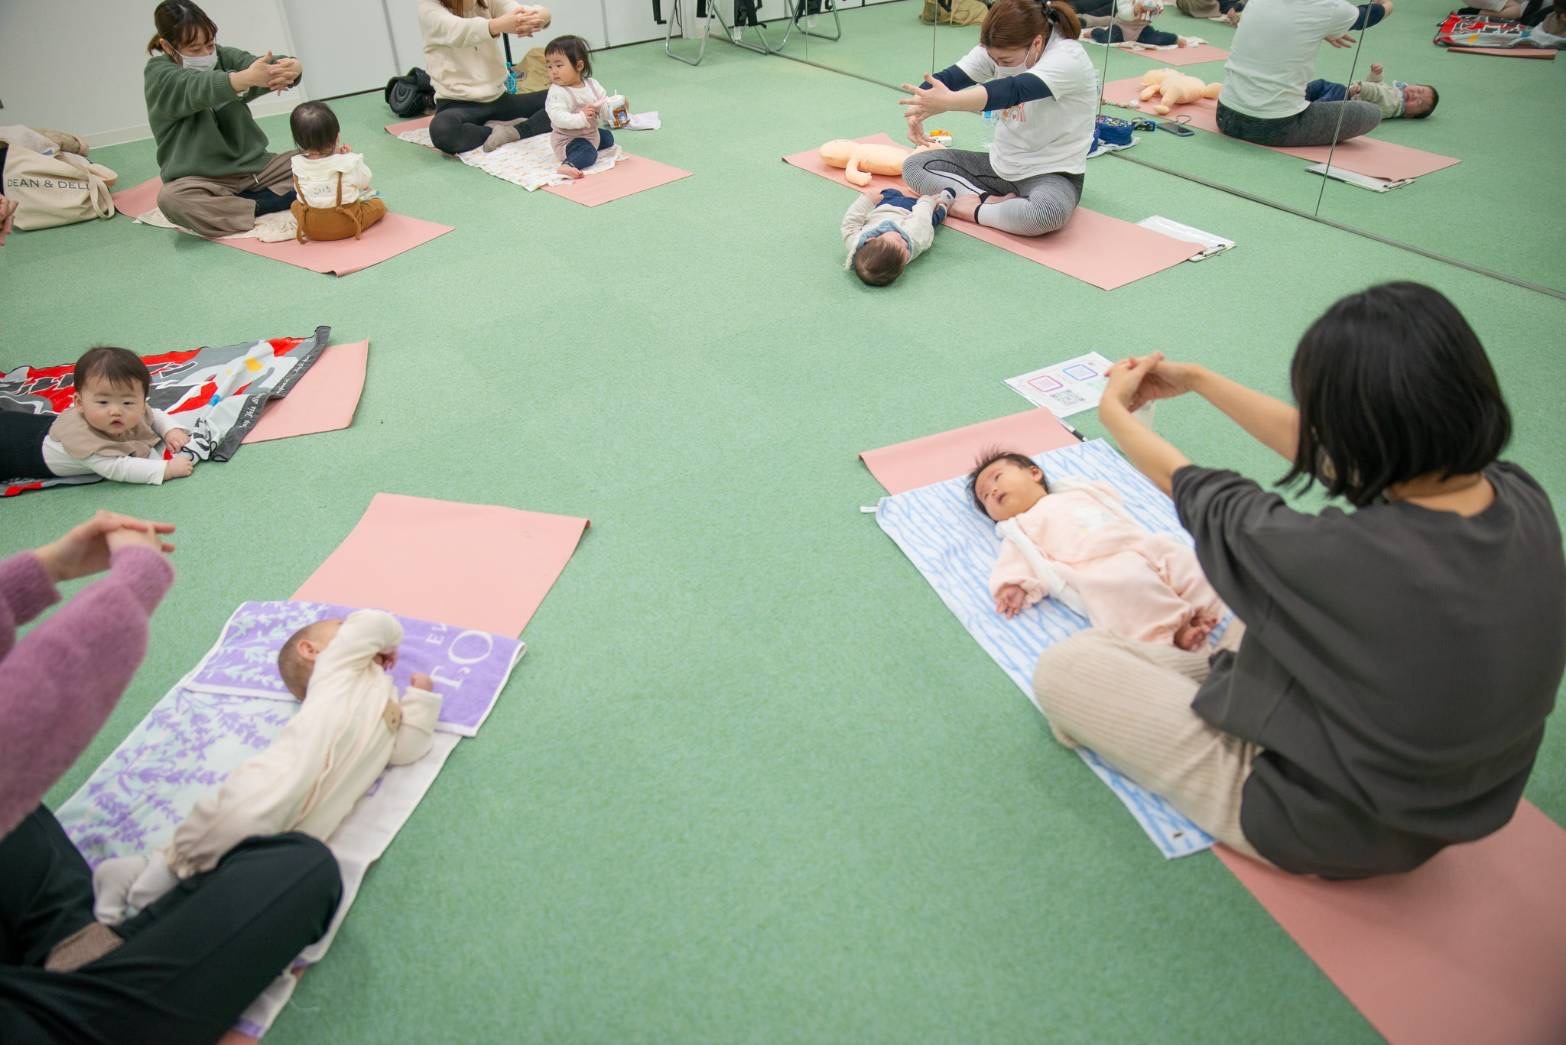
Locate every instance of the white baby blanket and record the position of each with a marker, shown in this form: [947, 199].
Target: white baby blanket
[954, 545]
[529, 163]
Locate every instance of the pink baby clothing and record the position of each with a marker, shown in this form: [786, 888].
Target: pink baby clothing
[1095, 558]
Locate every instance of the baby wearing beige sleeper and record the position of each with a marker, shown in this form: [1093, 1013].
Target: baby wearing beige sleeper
[349, 728]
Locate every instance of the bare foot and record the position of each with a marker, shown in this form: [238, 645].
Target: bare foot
[569, 171]
[963, 207]
[1232, 17]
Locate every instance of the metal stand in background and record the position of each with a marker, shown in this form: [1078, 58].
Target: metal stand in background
[731, 33]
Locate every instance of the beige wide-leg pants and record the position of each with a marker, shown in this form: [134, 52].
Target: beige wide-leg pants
[211, 207]
[1130, 702]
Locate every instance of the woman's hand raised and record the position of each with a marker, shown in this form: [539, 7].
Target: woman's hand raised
[85, 549]
[1137, 381]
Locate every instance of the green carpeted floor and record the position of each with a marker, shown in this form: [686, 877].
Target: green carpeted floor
[752, 781]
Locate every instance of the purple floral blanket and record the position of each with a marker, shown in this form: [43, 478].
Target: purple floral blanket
[470, 668]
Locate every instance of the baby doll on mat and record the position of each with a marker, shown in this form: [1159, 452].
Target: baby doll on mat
[350, 726]
[1076, 542]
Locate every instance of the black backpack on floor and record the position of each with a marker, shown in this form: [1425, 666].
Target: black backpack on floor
[411, 95]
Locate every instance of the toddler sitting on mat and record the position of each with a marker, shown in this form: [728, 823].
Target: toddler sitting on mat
[1132, 22]
[1079, 545]
[884, 230]
[335, 200]
[109, 431]
[350, 726]
[576, 103]
[1414, 101]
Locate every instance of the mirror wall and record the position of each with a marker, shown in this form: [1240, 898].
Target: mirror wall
[1493, 114]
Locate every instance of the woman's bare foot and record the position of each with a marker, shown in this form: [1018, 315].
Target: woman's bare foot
[963, 207]
[569, 171]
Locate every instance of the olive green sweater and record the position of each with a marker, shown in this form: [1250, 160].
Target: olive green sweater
[201, 126]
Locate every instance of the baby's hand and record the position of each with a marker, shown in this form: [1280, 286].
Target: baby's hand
[178, 466]
[1353, 90]
[344, 149]
[590, 111]
[1010, 600]
[1375, 68]
[387, 659]
[177, 439]
[422, 681]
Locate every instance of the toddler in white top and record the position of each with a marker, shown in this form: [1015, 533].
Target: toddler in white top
[577, 104]
[1078, 544]
[350, 726]
[110, 430]
[335, 198]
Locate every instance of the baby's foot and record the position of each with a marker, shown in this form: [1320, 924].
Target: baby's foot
[501, 134]
[1182, 41]
[569, 171]
[1232, 16]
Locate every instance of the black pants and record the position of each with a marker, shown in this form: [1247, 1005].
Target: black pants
[191, 962]
[21, 445]
[459, 126]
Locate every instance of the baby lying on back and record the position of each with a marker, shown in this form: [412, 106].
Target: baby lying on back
[1080, 546]
[349, 728]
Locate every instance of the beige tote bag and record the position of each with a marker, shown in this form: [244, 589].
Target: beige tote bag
[56, 190]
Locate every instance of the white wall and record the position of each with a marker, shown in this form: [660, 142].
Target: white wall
[77, 66]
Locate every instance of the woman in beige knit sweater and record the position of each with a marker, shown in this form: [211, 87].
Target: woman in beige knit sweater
[472, 108]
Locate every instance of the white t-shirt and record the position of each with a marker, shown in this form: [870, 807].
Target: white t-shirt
[318, 178]
[1050, 135]
[1273, 55]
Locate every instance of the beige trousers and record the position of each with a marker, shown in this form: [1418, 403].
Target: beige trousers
[1130, 702]
[211, 207]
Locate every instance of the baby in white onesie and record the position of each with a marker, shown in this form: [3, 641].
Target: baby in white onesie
[349, 728]
[1078, 544]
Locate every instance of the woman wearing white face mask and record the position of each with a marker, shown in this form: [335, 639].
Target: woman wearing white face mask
[1030, 71]
[218, 175]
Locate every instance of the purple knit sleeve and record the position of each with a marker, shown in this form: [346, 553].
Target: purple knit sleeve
[25, 589]
[58, 685]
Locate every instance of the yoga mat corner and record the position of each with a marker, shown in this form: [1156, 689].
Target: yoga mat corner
[936, 458]
[323, 400]
[629, 175]
[1470, 947]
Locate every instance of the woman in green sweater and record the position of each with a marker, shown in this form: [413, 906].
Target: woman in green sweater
[218, 175]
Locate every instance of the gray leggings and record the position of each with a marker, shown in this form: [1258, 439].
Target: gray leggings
[1044, 202]
[1314, 125]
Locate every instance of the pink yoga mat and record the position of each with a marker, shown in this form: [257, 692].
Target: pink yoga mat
[1177, 56]
[323, 400]
[1471, 947]
[1093, 247]
[630, 175]
[138, 199]
[1508, 52]
[936, 458]
[469, 565]
[1368, 156]
[394, 129]
[392, 235]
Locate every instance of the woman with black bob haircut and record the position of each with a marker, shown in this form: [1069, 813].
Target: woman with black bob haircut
[1382, 691]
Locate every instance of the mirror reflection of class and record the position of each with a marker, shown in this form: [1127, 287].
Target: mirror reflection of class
[1331, 110]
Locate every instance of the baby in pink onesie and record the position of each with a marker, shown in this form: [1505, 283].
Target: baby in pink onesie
[1080, 546]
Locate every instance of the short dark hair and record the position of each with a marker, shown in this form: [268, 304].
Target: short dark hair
[988, 456]
[117, 366]
[1435, 99]
[575, 50]
[878, 261]
[1393, 384]
[179, 22]
[314, 126]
